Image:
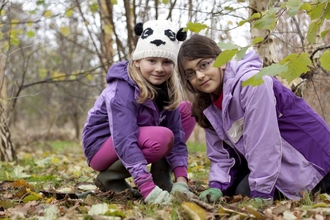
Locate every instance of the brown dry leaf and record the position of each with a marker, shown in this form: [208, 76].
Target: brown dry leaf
[194, 210]
[229, 212]
[254, 212]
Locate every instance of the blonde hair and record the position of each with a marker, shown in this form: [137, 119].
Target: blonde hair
[147, 91]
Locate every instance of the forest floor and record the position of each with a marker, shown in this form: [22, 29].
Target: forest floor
[52, 181]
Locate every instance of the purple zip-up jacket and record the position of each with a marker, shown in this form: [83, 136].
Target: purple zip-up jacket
[116, 113]
[285, 143]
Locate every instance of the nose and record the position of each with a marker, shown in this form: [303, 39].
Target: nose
[159, 67]
[199, 75]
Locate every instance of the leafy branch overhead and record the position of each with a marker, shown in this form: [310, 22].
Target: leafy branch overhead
[293, 65]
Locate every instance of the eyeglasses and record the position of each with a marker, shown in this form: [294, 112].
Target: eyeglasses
[201, 67]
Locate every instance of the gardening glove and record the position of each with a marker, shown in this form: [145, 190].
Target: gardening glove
[260, 201]
[159, 196]
[183, 188]
[211, 195]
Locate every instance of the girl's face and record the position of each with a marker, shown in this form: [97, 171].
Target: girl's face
[156, 70]
[203, 76]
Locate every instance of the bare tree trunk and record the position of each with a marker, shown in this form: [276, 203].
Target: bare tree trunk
[7, 151]
[266, 50]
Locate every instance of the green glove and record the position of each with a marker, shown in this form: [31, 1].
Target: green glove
[159, 196]
[183, 188]
[211, 195]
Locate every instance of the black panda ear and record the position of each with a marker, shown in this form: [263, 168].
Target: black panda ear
[181, 35]
[138, 28]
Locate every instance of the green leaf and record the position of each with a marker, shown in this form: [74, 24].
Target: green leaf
[293, 7]
[257, 40]
[271, 70]
[195, 27]
[306, 7]
[316, 11]
[241, 53]
[312, 29]
[324, 59]
[31, 198]
[268, 21]
[323, 33]
[251, 18]
[224, 57]
[114, 2]
[94, 7]
[327, 11]
[40, 2]
[297, 65]
[227, 46]
[30, 34]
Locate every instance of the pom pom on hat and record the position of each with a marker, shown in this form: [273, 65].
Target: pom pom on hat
[158, 38]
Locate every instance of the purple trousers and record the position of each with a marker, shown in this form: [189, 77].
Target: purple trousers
[154, 141]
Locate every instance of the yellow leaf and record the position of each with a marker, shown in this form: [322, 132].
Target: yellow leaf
[108, 29]
[69, 12]
[65, 31]
[47, 13]
[89, 77]
[194, 211]
[14, 22]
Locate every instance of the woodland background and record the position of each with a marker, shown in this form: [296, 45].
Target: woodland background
[54, 56]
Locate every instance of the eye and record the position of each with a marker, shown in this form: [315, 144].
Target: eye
[167, 62]
[203, 65]
[189, 73]
[151, 60]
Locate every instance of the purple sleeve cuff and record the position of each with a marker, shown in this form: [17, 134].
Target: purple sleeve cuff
[180, 171]
[145, 184]
[221, 186]
[256, 194]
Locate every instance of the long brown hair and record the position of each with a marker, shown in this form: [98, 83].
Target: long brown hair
[197, 47]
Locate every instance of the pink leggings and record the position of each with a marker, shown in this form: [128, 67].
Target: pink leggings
[154, 141]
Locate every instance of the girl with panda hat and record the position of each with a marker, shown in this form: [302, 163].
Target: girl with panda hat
[139, 119]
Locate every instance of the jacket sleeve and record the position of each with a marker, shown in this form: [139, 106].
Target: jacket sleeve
[178, 156]
[221, 162]
[261, 138]
[122, 112]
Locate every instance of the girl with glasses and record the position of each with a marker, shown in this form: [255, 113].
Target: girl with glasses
[263, 142]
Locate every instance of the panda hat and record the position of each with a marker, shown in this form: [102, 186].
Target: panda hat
[158, 38]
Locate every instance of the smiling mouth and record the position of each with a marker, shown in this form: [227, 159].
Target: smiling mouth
[203, 83]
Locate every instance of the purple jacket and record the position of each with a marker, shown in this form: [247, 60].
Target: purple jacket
[285, 142]
[116, 113]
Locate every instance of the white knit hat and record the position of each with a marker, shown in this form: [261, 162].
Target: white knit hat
[158, 38]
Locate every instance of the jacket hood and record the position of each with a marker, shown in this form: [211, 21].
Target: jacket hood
[251, 62]
[119, 71]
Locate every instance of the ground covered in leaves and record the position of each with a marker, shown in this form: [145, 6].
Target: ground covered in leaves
[52, 181]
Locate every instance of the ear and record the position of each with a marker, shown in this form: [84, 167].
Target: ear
[181, 35]
[138, 29]
[137, 63]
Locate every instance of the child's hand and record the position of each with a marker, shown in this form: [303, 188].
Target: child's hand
[159, 196]
[211, 195]
[183, 187]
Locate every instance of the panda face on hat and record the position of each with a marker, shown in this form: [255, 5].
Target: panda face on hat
[158, 38]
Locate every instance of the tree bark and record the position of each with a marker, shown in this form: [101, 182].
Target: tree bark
[7, 151]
